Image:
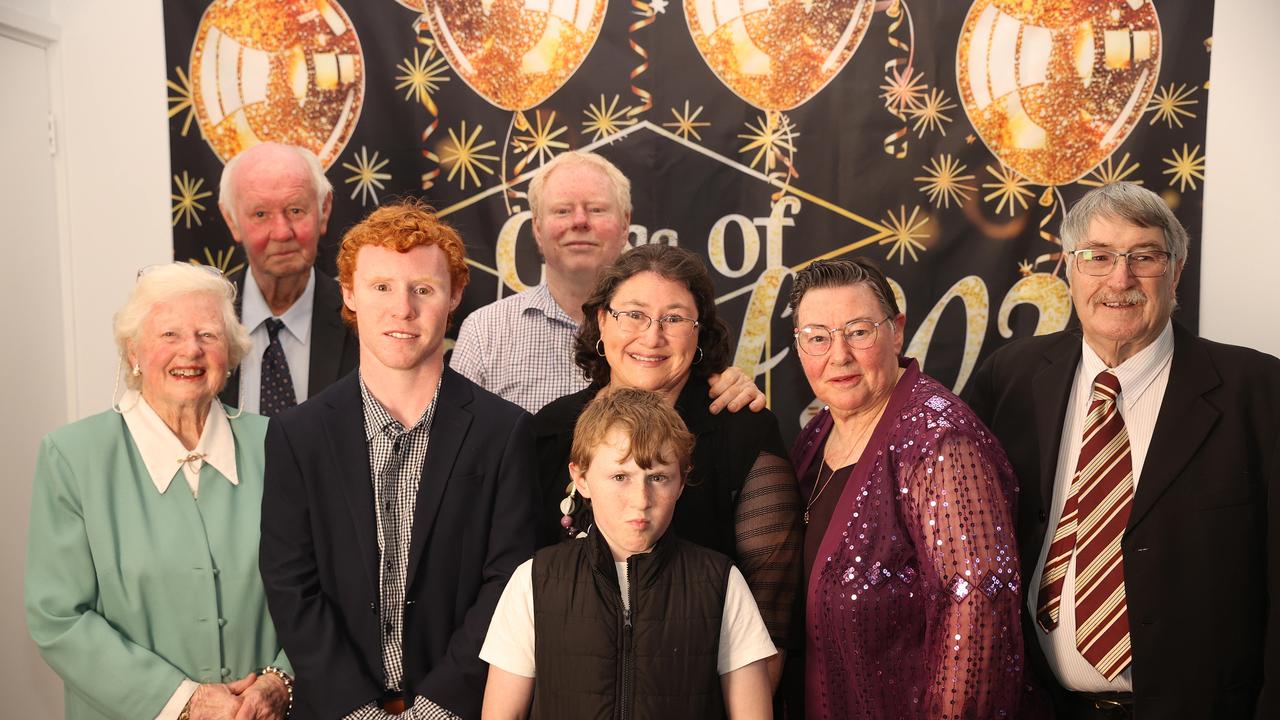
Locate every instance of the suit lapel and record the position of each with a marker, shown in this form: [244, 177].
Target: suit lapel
[230, 394]
[1184, 422]
[345, 433]
[448, 430]
[327, 334]
[1052, 390]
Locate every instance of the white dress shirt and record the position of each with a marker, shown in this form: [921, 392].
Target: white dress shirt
[1143, 379]
[164, 456]
[295, 338]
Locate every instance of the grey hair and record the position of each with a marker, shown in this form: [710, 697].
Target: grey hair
[164, 283]
[843, 273]
[1131, 203]
[227, 184]
[621, 185]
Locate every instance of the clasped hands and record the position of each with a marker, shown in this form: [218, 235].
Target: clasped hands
[252, 697]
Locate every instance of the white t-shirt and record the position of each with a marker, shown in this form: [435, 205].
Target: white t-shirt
[510, 644]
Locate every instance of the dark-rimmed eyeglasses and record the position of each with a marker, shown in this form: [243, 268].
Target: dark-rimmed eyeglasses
[857, 334]
[1142, 263]
[634, 322]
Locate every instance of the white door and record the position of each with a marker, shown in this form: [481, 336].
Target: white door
[33, 377]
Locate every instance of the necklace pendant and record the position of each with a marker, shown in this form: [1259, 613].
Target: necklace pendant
[806, 517]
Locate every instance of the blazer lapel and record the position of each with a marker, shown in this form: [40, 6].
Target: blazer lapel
[345, 433]
[327, 334]
[448, 430]
[230, 394]
[1184, 422]
[1052, 389]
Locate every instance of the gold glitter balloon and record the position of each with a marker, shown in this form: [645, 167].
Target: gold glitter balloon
[288, 72]
[776, 54]
[1053, 87]
[515, 53]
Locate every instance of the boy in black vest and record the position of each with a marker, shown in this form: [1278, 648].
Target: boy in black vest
[628, 621]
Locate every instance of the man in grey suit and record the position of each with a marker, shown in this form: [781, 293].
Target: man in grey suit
[275, 199]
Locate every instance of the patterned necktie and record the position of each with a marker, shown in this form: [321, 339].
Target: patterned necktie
[277, 385]
[1092, 524]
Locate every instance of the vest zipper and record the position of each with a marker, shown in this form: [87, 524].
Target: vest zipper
[628, 664]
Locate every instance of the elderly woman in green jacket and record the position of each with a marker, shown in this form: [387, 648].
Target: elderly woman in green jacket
[142, 585]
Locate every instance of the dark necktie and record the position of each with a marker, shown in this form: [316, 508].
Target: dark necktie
[277, 385]
[1092, 524]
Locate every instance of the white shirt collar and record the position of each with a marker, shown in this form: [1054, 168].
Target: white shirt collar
[297, 319]
[163, 453]
[1136, 373]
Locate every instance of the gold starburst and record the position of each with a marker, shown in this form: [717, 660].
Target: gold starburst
[1009, 187]
[772, 134]
[540, 143]
[181, 99]
[1107, 173]
[422, 75]
[1169, 104]
[222, 261]
[186, 203]
[1025, 268]
[366, 176]
[902, 91]
[463, 154]
[687, 124]
[604, 121]
[906, 234]
[931, 113]
[1185, 167]
[945, 182]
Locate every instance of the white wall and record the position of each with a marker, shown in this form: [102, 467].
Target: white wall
[109, 94]
[1240, 295]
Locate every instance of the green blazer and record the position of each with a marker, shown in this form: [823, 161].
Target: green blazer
[128, 591]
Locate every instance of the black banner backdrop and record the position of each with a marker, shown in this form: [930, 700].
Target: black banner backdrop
[941, 138]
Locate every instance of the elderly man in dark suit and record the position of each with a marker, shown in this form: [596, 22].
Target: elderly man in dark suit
[1148, 462]
[398, 501]
[275, 199]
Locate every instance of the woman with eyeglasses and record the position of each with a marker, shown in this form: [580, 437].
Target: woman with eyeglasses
[910, 567]
[142, 585]
[651, 324]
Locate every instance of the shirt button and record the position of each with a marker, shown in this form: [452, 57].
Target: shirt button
[226, 672]
[215, 572]
[222, 622]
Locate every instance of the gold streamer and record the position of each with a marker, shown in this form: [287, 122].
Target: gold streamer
[647, 19]
[521, 123]
[776, 121]
[424, 38]
[1049, 199]
[895, 143]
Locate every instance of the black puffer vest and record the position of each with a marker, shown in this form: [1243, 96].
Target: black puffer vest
[595, 660]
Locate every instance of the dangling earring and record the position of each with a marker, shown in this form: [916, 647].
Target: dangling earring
[115, 389]
[240, 407]
[600, 347]
[137, 371]
[698, 358]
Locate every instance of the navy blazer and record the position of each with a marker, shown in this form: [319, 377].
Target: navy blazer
[1201, 558]
[334, 348]
[473, 524]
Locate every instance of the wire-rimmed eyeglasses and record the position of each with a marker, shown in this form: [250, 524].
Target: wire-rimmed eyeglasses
[635, 322]
[1142, 263]
[857, 334]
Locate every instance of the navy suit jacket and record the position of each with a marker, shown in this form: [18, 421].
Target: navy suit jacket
[334, 348]
[1201, 550]
[473, 524]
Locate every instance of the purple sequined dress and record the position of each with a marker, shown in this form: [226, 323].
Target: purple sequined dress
[913, 602]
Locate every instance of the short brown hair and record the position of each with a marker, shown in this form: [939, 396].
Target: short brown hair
[402, 226]
[675, 264]
[653, 427]
[843, 273]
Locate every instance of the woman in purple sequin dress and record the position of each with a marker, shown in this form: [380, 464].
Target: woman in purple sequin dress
[911, 572]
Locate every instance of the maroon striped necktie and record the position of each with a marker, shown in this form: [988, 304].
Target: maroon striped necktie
[1092, 524]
